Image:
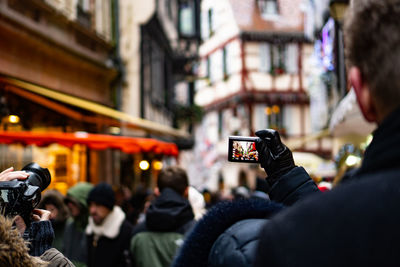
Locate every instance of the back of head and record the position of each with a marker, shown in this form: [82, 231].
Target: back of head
[173, 177]
[372, 43]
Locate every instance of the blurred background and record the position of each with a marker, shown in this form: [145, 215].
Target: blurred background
[114, 90]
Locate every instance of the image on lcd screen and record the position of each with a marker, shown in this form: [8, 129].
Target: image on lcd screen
[244, 151]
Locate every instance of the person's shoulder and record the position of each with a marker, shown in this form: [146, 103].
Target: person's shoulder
[56, 258]
[147, 239]
[237, 245]
[353, 217]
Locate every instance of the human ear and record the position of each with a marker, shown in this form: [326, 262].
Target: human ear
[186, 193]
[363, 94]
[157, 192]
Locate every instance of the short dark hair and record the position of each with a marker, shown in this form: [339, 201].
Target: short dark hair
[372, 43]
[173, 177]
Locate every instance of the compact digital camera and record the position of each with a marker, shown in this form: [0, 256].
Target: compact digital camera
[20, 197]
[242, 149]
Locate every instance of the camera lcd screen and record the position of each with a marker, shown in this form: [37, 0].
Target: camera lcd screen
[242, 149]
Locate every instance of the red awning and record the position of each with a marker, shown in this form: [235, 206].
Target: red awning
[93, 141]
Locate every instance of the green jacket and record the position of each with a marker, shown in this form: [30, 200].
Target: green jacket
[164, 247]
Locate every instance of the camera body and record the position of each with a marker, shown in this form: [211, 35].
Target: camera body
[242, 149]
[21, 197]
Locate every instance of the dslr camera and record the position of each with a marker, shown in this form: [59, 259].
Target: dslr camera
[20, 197]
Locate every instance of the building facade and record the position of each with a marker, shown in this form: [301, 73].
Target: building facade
[61, 83]
[159, 48]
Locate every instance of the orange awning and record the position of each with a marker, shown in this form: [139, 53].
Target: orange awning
[94, 141]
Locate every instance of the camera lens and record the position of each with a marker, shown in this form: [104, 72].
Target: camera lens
[38, 176]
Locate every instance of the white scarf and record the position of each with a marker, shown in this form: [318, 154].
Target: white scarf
[110, 226]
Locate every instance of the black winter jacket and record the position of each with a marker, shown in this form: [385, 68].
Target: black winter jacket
[356, 224]
[170, 212]
[228, 234]
[108, 251]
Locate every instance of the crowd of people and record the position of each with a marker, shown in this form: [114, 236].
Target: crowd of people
[287, 223]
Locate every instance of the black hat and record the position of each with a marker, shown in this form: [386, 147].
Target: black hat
[102, 194]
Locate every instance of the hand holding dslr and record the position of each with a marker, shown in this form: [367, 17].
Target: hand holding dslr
[9, 175]
[274, 156]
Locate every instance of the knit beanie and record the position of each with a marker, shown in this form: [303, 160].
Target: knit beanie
[102, 194]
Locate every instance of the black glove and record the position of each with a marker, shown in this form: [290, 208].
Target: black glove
[275, 157]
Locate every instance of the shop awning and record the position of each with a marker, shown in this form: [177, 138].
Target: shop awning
[128, 120]
[129, 145]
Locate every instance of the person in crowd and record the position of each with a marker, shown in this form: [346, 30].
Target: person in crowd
[137, 204]
[240, 192]
[108, 231]
[167, 220]
[356, 223]
[228, 233]
[197, 202]
[74, 242]
[53, 201]
[261, 190]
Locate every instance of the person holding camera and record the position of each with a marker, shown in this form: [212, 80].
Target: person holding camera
[356, 223]
[228, 234]
[20, 194]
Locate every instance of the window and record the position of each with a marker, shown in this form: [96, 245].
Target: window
[158, 77]
[274, 115]
[187, 22]
[278, 59]
[268, 7]
[210, 22]
[220, 123]
[208, 71]
[84, 5]
[292, 58]
[83, 13]
[225, 62]
[265, 57]
[273, 58]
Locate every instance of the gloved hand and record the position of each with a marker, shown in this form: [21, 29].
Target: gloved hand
[274, 156]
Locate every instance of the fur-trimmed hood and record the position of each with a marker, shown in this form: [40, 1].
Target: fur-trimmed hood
[13, 249]
[196, 249]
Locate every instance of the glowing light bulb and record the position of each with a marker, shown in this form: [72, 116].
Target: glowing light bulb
[157, 165]
[144, 165]
[13, 119]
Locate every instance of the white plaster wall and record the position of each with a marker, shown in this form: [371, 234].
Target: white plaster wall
[132, 14]
[225, 28]
[207, 94]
